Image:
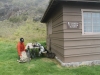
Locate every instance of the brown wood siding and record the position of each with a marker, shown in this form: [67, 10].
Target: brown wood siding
[58, 54]
[58, 49]
[57, 43]
[82, 58]
[82, 50]
[57, 28]
[81, 42]
[78, 47]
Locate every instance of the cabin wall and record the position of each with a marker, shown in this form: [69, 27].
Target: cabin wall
[55, 41]
[78, 47]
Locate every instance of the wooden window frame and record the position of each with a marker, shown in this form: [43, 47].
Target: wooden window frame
[88, 33]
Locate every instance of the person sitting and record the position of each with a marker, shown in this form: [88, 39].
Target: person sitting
[20, 47]
[22, 56]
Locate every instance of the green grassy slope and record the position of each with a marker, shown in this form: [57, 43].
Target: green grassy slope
[38, 66]
[29, 30]
[26, 24]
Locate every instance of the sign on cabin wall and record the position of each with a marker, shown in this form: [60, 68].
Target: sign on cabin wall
[73, 25]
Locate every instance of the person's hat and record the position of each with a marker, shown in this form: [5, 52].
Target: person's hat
[21, 39]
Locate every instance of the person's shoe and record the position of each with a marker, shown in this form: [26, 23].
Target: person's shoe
[18, 60]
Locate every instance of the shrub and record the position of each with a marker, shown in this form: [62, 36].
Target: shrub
[24, 17]
[37, 18]
[43, 43]
[15, 19]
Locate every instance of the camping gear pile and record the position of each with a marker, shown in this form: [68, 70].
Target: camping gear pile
[30, 52]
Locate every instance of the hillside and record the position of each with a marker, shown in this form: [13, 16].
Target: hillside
[33, 8]
[21, 18]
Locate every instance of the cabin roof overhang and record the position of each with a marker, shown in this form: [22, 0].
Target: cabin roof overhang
[54, 3]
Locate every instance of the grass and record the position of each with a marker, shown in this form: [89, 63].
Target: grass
[38, 66]
[29, 30]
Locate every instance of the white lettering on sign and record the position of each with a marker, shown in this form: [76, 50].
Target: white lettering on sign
[73, 25]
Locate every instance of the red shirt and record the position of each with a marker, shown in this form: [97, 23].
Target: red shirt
[20, 48]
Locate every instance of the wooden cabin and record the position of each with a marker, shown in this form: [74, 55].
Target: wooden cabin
[73, 29]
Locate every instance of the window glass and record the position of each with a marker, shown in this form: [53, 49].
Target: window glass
[91, 21]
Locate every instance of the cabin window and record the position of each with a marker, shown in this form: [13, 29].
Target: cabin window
[91, 22]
